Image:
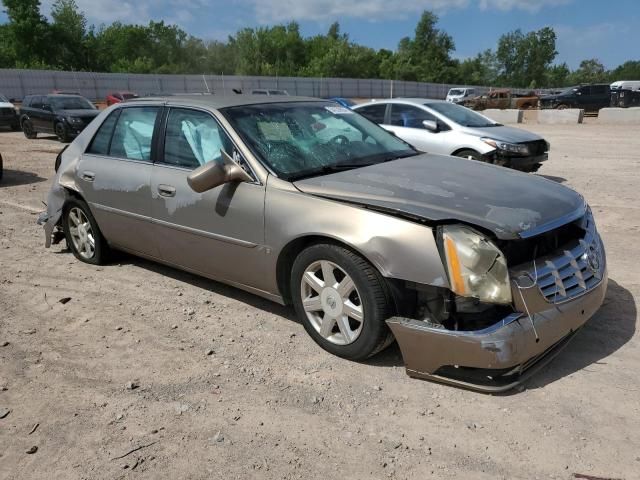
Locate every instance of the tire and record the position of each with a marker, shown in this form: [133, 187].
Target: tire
[27, 129]
[472, 155]
[76, 213]
[562, 106]
[61, 132]
[368, 297]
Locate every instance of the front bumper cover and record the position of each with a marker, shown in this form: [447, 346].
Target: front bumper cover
[502, 356]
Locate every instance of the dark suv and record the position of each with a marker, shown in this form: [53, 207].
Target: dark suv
[64, 115]
[587, 97]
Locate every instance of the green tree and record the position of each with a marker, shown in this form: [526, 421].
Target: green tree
[558, 76]
[28, 37]
[525, 58]
[479, 70]
[69, 31]
[427, 56]
[589, 71]
[629, 70]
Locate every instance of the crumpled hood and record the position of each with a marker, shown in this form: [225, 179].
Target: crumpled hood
[506, 134]
[441, 188]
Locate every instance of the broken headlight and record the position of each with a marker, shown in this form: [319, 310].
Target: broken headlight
[507, 147]
[476, 267]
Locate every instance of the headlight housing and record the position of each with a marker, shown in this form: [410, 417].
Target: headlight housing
[476, 267]
[518, 148]
[74, 120]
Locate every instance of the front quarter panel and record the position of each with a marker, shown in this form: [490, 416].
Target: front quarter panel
[398, 248]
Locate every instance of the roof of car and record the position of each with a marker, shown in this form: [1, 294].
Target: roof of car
[223, 101]
[415, 101]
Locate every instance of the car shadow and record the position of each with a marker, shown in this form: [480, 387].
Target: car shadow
[552, 178]
[12, 178]
[207, 284]
[606, 332]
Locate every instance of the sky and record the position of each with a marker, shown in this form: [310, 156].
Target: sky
[585, 28]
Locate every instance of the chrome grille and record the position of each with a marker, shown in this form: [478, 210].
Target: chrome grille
[573, 272]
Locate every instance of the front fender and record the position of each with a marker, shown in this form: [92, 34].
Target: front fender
[397, 247]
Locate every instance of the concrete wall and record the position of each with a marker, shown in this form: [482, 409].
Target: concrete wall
[553, 117]
[620, 116]
[503, 116]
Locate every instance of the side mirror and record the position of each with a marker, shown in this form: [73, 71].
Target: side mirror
[213, 174]
[578, 93]
[430, 125]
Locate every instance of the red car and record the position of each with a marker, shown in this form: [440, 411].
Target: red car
[117, 97]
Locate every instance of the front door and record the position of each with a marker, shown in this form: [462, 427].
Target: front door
[218, 233]
[406, 122]
[115, 177]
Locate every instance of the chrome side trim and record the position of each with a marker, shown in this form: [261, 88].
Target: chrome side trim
[558, 222]
[181, 228]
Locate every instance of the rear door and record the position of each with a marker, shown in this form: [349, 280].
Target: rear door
[218, 233]
[115, 177]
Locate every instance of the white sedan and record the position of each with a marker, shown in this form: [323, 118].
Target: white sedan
[436, 126]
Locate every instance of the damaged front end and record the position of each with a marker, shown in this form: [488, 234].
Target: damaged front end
[491, 345]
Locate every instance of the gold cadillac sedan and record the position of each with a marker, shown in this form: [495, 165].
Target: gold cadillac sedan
[480, 273]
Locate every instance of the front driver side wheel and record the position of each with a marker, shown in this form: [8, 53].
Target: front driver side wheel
[62, 133]
[471, 155]
[27, 129]
[342, 301]
[82, 233]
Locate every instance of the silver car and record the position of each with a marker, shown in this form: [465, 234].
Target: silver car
[479, 272]
[436, 126]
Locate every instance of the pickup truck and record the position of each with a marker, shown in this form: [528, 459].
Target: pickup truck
[501, 99]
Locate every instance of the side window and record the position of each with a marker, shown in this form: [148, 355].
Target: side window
[585, 90]
[36, 102]
[133, 133]
[102, 139]
[26, 102]
[375, 113]
[45, 103]
[598, 90]
[194, 138]
[408, 116]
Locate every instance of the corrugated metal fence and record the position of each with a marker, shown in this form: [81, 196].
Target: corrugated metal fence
[18, 83]
[95, 86]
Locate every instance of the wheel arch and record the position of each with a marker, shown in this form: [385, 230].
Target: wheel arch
[291, 250]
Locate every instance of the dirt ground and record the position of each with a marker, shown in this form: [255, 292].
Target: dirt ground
[230, 386]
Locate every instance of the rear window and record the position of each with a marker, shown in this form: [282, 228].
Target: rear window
[100, 143]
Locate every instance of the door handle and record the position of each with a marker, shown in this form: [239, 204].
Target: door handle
[88, 176]
[167, 190]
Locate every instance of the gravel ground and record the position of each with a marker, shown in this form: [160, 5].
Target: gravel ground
[206, 381]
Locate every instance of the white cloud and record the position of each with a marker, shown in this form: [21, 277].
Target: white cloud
[268, 11]
[526, 5]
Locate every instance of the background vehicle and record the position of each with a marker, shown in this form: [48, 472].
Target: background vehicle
[1, 167]
[590, 98]
[436, 126]
[268, 91]
[625, 85]
[117, 97]
[624, 98]
[8, 114]
[345, 102]
[456, 95]
[502, 98]
[363, 237]
[63, 115]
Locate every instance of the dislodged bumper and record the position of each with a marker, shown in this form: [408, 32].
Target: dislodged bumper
[499, 357]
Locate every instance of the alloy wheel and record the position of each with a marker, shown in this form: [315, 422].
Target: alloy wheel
[81, 233]
[332, 302]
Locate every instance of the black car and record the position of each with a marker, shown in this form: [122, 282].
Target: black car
[587, 97]
[64, 115]
[8, 114]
